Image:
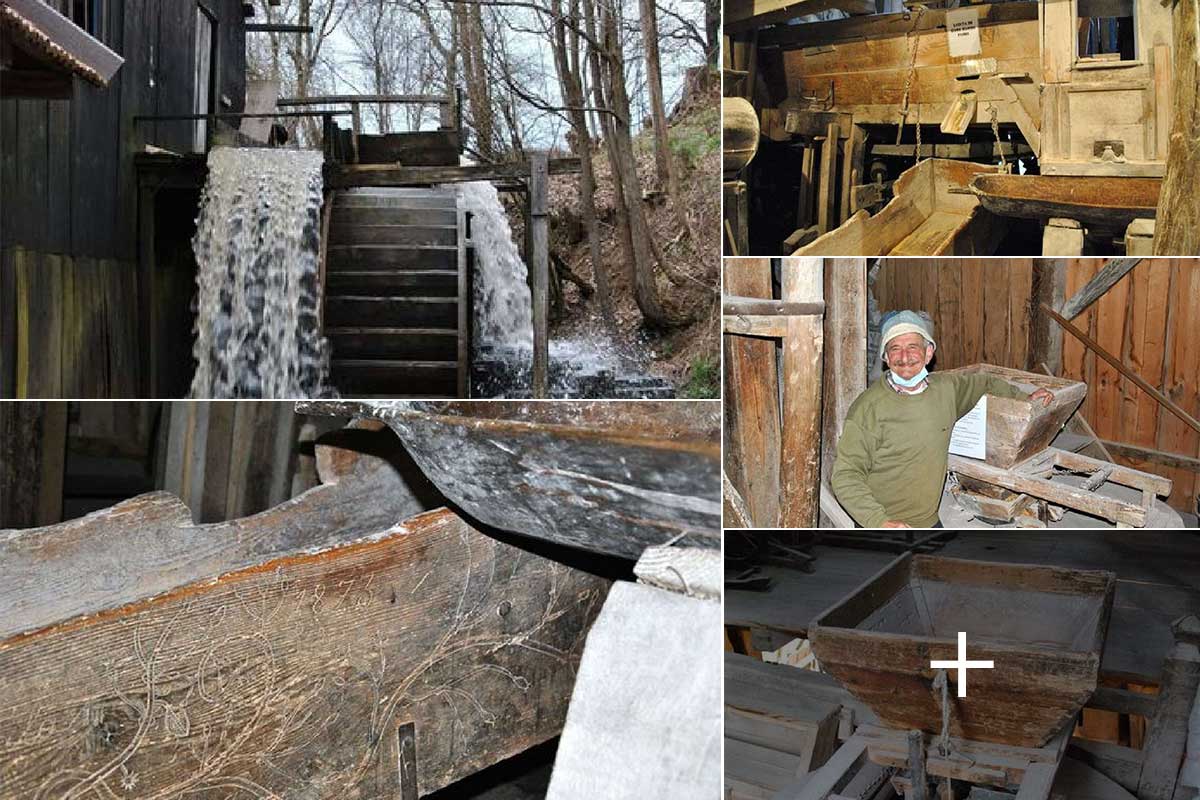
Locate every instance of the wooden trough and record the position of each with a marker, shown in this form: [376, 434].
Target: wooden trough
[610, 477]
[1098, 200]
[1018, 429]
[932, 213]
[1043, 627]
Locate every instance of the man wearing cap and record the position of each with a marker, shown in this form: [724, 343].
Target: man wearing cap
[892, 457]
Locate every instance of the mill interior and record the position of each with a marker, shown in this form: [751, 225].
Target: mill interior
[831, 690]
[1119, 446]
[1047, 127]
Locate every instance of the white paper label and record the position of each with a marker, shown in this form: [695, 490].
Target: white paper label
[962, 32]
[969, 437]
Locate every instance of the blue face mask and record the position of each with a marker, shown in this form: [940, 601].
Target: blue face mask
[911, 382]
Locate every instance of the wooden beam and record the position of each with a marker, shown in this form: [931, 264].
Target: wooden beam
[343, 176]
[766, 326]
[1161, 457]
[754, 306]
[882, 26]
[1118, 365]
[302, 670]
[76, 42]
[801, 383]
[539, 269]
[1169, 728]
[825, 194]
[751, 15]
[1105, 279]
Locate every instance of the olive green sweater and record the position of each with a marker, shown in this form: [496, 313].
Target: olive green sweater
[892, 456]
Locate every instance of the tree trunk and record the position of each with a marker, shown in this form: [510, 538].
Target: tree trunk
[567, 63]
[624, 164]
[1177, 229]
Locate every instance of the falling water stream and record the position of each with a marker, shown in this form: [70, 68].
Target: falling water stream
[595, 366]
[256, 244]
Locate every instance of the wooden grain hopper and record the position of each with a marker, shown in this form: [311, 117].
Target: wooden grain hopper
[1043, 627]
[609, 477]
[1019, 429]
[931, 213]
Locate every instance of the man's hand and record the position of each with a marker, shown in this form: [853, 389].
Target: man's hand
[1044, 395]
[891, 523]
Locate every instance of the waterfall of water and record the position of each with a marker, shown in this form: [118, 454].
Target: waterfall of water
[257, 243]
[502, 299]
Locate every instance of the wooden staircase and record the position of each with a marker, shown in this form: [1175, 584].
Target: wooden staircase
[397, 293]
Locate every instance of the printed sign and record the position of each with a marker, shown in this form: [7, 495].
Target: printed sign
[969, 437]
[962, 32]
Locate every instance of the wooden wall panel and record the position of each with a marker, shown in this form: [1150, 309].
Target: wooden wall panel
[982, 310]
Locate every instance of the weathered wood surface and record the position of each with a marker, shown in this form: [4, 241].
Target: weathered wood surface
[338, 176]
[1113, 271]
[929, 214]
[80, 566]
[1107, 201]
[32, 453]
[385, 666]
[800, 389]
[606, 476]
[1018, 429]
[751, 401]
[845, 363]
[1045, 624]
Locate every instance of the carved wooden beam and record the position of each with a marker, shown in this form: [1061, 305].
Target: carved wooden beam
[322, 648]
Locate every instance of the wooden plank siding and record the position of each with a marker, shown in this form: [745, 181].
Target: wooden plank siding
[982, 311]
[67, 175]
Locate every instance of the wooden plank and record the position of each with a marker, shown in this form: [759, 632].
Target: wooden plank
[995, 311]
[8, 324]
[1168, 730]
[1116, 363]
[973, 305]
[1149, 455]
[341, 176]
[800, 385]
[817, 786]
[539, 269]
[336, 652]
[1113, 270]
[1112, 317]
[751, 406]
[950, 313]
[735, 305]
[1020, 298]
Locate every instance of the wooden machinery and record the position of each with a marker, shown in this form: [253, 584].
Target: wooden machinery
[1077, 91]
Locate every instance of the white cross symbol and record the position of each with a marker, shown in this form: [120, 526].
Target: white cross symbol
[962, 665]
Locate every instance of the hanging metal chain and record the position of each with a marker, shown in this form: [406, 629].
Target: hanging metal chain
[996, 132]
[913, 42]
[917, 152]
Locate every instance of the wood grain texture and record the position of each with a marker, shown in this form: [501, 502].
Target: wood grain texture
[614, 477]
[751, 405]
[295, 676]
[1042, 686]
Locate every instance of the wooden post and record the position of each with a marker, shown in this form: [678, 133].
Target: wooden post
[751, 402]
[828, 175]
[736, 212]
[800, 450]
[804, 215]
[916, 766]
[845, 363]
[8, 325]
[855, 153]
[33, 439]
[464, 305]
[1168, 730]
[539, 263]
[356, 127]
[1045, 337]
[148, 318]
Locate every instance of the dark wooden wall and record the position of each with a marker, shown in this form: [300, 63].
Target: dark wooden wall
[69, 214]
[983, 311]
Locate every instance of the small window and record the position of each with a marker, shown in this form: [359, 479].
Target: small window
[89, 15]
[1106, 30]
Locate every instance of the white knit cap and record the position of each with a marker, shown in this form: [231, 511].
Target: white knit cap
[906, 322]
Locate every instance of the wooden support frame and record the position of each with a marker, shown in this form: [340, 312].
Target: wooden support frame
[539, 268]
[1031, 477]
[802, 279]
